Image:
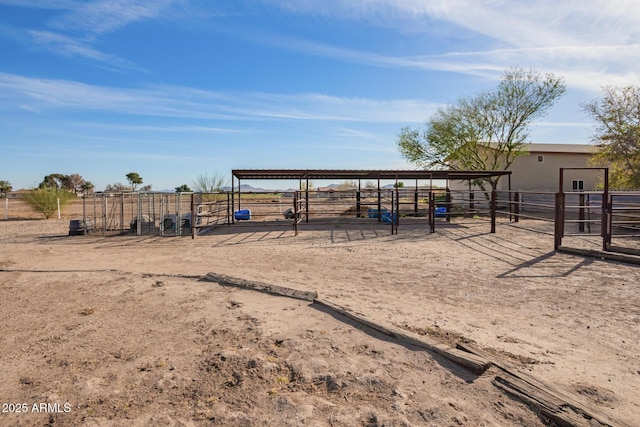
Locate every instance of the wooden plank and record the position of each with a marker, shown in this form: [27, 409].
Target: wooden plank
[546, 405]
[260, 287]
[548, 399]
[623, 250]
[631, 259]
[471, 362]
[553, 405]
[475, 364]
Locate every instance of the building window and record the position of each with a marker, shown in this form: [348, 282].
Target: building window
[540, 158]
[578, 185]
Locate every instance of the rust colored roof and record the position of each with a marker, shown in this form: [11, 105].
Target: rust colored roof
[362, 174]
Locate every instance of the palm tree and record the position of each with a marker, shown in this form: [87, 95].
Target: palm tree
[5, 187]
[87, 187]
[74, 182]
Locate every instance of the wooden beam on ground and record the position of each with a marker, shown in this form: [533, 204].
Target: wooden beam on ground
[260, 287]
[475, 364]
[610, 256]
[623, 250]
[552, 404]
[556, 407]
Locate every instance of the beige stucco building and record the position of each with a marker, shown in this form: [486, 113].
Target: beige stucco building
[539, 169]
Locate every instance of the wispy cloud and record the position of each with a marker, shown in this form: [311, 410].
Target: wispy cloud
[182, 102]
[75, 28]
[518, 23]
[592, 42]
[74, 47]
[41, 4]
[179, 129]
[102, 16]
[598, 38]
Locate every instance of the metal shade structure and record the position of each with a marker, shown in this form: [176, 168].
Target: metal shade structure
[359, 174]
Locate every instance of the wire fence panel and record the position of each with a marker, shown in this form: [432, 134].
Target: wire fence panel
[581, 217]
[142, 214]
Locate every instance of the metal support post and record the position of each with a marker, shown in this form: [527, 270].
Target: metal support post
[494, 205]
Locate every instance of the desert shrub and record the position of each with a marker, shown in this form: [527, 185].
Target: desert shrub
[46, 201]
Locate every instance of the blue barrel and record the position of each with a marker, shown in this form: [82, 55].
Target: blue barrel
[441, 211]
[386, 217]
[243, 215]
[373, 212]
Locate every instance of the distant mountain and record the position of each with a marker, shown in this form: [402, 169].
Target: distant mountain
[246, 188]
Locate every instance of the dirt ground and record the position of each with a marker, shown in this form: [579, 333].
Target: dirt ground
[122, 330]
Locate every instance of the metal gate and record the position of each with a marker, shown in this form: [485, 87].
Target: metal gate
[152, 213]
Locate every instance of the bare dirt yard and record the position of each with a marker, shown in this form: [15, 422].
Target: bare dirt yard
[122, 331]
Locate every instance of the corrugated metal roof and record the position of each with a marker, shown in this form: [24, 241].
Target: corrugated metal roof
[361, 174]
[561, 148]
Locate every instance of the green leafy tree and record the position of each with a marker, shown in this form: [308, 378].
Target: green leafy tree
[45, 201]
[118, 187]
[5, 187]
[134, 179]
[184, 188]
[484, 132]
[348, 185]
[618, 135]
[54, 181]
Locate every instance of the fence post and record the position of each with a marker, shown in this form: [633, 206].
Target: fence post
[295, 213]
[432, 212]
[162, 215]
[379, 203]
[581, 212]
[448, 202]
[95, 210]
[6, 208]
[607, 218]
[588, 204]
[104, 216]
[516, 206]
[193, 216]
[306, 203]
[559, 221]
[393, 206]
[396, 220]
[122, 213]
[139, 219]
[493, 210]
[472, 204]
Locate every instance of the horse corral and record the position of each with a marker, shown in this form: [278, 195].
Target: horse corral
[447, 276]
[578, 220]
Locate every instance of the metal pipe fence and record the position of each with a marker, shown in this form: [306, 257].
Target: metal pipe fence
[149, 213]
[613, 217]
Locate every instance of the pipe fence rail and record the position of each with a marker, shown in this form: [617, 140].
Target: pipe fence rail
[149, 213]
[575, 218]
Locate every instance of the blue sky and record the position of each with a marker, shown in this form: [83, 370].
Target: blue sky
[176, 88]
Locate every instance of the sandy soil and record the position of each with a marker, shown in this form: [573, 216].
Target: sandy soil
[122, 331]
